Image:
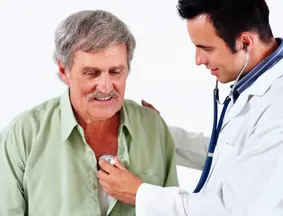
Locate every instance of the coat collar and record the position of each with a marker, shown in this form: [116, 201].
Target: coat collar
[258, 89]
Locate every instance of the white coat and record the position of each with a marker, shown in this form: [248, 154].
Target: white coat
[246, 177]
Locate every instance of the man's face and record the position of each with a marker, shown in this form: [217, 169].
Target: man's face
[212, 51]
[97, 82]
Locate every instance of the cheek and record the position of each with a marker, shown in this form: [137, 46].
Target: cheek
[223, 61]
[212, 58]
[120, 86]
[233, 64]
[80, 89]
[83, 85]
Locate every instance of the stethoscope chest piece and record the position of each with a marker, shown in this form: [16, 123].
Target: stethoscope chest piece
[109, 158]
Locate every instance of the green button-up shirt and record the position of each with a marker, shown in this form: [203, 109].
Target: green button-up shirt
[48, 169]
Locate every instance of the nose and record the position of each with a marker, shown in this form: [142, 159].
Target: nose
[200, 57]
[104, 83]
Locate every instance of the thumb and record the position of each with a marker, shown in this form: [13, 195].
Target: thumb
[119, 165]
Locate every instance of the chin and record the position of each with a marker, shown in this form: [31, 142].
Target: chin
[224, 80]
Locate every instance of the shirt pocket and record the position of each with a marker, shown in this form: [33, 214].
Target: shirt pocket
[222, 163]
[228, 150]
[227, 154]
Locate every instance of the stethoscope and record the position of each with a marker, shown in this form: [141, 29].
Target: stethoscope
[217, 125]
[215, 129]
[236, 81]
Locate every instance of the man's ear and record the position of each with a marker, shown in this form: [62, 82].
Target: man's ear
[63, 74]
[248, 40]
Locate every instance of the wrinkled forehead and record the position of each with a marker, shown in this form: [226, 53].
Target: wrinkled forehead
[114, 56]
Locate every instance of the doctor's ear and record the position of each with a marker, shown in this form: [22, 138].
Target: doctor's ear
[247, 40]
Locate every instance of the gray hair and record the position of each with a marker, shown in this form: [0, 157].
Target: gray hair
[90, 31]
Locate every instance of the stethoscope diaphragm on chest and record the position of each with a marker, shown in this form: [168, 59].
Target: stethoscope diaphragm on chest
[109, 158]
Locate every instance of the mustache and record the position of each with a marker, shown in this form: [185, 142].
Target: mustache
[99, 94]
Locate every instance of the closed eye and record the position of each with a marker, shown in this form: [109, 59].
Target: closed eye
[92, 73]
[115, 72]
[207, 49]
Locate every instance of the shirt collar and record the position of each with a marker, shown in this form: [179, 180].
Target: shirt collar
[257, 71]
[125, 120]
[69, 121]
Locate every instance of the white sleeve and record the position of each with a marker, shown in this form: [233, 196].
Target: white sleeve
[191, 148]
[251, 187]
[153, 200]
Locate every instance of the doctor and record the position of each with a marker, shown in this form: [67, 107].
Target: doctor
[243, 171]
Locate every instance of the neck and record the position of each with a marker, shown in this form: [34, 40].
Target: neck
[262, 52]
[102, 136]
[267, 50]
[101, 125]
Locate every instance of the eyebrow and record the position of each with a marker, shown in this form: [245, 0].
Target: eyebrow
[89, 68]
[120, 67]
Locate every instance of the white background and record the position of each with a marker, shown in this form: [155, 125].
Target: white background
[163, 70]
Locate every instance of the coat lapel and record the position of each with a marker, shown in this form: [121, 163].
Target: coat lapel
[236, 109]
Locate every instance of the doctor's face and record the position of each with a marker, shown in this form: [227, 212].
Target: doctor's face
[97, 82]
[212, 51]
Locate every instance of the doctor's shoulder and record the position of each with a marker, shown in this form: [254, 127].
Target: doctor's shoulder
[271, 102]
[268, 111]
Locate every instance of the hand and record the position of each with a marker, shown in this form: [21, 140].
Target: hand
[118, 182]
[148, 105]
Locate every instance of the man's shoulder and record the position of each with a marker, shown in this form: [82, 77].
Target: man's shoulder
[37, 114]
[141, 118]
[135, 110]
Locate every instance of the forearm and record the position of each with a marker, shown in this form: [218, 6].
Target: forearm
[191, 148]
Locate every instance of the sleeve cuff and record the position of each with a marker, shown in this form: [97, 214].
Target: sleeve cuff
[147, 198]
[152, 200]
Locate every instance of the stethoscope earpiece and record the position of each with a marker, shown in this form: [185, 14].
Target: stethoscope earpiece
[245, 48]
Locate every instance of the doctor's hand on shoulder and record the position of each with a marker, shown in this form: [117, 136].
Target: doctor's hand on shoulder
[150, 106]
[118, 182]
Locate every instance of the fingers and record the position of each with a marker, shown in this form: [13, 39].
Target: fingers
[119, 165]
[105, 186]
[144, 103]
[101, 174]
[104, 165]
[148, 105]
[105, 181]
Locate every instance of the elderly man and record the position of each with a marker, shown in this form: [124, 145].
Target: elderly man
[49, 154]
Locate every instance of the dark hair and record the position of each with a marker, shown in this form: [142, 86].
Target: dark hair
[231, 17]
